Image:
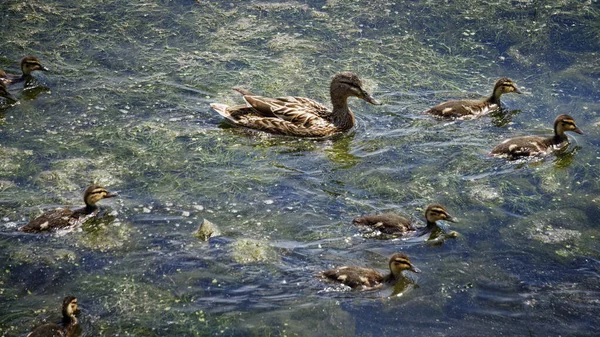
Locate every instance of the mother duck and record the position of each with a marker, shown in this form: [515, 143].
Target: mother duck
[299, 116]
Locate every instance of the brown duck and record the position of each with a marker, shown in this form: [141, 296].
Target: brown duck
[29, 64]
[299, 116]
[397, 225]
[365, 278]
[514, 148]
[69, 326]
[66, 217]
[469, 109]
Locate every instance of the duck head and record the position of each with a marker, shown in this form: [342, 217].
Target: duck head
[564, 123]
[505, 86]
[30, 64]
[435, 212]
[347, 85]
[400, 262]
[95, 193]
[69, 307]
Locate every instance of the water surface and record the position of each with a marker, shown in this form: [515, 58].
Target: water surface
[127, 106]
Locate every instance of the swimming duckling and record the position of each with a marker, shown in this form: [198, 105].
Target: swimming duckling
[524, 146]
[299, 116]
[469, 109]
[400, 226]
[366, 279]
[65, 217]
[67, 328]
[28, 65]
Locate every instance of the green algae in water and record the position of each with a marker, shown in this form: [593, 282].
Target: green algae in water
[246, 251]
[129, 108]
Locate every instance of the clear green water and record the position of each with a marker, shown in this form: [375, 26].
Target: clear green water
[128, 107]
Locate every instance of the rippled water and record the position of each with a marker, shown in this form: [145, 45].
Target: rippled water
[127, 106]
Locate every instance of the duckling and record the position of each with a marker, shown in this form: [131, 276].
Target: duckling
[8, 97]
[28, 65]
[299, 116]
[400, 226]
[514, 148]
[65, 217]
[364, 278]
[67, 328]
[469, 109]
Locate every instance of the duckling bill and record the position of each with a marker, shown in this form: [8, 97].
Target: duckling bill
[66, 217]
[527, 146]
[69, 326]
[469, 109]
[397, 225]
[299, 116]
[365, 278]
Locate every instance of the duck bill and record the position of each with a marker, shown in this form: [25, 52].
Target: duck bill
[110, 195]
[367, 97]
[518, 91]
[578, 131]
[414, 269]
[42, 68]
[450, 219]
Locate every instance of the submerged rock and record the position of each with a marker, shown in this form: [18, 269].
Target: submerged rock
[250, 251]
[207, 230]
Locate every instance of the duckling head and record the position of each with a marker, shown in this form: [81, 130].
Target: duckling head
[564, 123]
[504, 86]
[400, 262]
[69, 307]
[347, 84]
[435, 212]
[95, 193]
[30, 63]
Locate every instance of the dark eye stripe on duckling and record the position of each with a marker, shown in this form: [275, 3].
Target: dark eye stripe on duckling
[438, 211]
[402, 261]
[98, 191]
[570, 122]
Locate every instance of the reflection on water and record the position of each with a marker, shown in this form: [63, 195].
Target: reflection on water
[127, 106]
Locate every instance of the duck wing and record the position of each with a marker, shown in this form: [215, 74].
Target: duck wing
[517, 147]
[355, 277]
[292, 109]
[461, 109]
[386, 223]
[58, 218]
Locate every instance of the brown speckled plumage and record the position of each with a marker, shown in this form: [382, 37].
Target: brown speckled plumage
[468, 109]
[524, 146]
[65, 217]
[400, 226]
[298, 116]
[365, 278]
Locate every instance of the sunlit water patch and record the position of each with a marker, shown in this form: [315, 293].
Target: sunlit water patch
[126, 105]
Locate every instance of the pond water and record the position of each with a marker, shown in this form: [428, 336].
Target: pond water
[126, 105]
